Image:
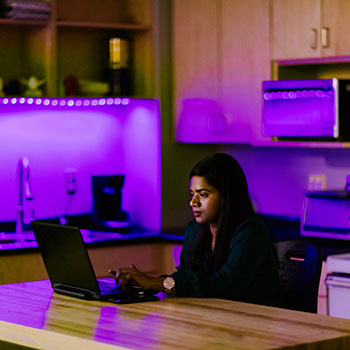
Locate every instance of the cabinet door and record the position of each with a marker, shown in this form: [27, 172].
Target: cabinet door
[296, 29]
[336, 18]
[245, 64]
[195, 69]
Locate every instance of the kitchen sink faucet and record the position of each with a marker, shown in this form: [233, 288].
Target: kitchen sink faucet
[25, 213]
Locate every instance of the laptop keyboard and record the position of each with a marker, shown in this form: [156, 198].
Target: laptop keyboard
[108, 286]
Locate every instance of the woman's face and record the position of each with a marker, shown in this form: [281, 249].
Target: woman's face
[205, 201]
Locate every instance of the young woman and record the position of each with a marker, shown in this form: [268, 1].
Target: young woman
[227, 251]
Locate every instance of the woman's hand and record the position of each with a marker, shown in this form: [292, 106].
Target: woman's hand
[132, 275]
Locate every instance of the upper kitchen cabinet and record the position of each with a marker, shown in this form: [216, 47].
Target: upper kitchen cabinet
[245, 62]
[336, 18]
[196, 69]
[303, 29]
[84, 29]
[71, 47]
[220, 60]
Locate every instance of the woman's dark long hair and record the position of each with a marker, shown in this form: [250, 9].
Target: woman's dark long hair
[224, 173]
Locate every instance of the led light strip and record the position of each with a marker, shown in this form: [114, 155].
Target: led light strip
[62, 102]
[291, 95]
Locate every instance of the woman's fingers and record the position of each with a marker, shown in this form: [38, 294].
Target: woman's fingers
[112, 272]
[124, 274]
[132, 275]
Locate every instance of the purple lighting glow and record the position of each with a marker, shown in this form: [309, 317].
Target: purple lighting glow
[66, 101]
[106, 136]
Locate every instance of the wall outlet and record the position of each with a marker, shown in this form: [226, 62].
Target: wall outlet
[317, 182]
[71, 181]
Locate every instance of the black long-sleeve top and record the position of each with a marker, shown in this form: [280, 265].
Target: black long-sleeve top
[249, 273]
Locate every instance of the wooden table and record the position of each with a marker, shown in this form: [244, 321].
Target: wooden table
[31, 315]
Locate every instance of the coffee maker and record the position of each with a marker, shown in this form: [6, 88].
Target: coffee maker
[107, 200]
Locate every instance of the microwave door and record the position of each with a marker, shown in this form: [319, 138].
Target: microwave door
[295, 111]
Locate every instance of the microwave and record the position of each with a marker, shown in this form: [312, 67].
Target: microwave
[317, 108]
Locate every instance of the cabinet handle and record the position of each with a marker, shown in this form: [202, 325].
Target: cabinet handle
[325, 37]
[313, 38]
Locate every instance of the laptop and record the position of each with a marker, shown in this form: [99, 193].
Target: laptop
[69, 267]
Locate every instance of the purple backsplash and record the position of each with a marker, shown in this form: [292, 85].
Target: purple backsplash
[278, 176]
[93, 136]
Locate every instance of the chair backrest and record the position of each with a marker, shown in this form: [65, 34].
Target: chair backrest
[299, 266]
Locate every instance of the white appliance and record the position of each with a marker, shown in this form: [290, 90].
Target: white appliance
[338, 285]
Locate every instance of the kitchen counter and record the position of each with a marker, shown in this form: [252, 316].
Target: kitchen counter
[280, 227]
[32, 315]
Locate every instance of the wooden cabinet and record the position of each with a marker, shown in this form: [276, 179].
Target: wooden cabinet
[152, 258]
[220, 60]
[196, 71]
[322, 291]
[295, 29]
[336, 16]
[245, 64]
[303, 29]
[75, 41]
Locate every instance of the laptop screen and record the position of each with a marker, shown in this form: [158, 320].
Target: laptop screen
[65, 256]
